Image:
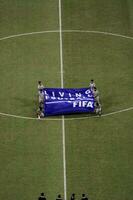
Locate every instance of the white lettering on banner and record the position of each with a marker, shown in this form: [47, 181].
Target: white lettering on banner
[78, 95]
[53, 98]
[69, 94]
[80, 105]
[46, 95]
[83, 104]
[61, 94]
[53, 94]
[59, 98]
[88, 91]
[45, 92]
[89, 95]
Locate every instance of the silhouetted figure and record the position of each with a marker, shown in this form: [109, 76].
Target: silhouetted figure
[84, 197]
[59, 197]
[42, 197]
[73, 197]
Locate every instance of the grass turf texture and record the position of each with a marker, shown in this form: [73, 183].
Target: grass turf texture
[98, 151]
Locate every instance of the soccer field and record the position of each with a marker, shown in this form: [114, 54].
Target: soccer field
[66, 43]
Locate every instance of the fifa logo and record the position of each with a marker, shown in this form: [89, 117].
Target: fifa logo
[84, 104]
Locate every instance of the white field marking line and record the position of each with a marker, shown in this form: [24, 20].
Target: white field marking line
[98, 32]
[26, 34]
[116, 112]
[62, 86]
[66, 31]
[30, 118]
[67, 119]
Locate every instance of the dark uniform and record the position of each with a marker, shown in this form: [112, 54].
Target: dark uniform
[42, 197]
[73, 197]
[84, 197]
[59, 197]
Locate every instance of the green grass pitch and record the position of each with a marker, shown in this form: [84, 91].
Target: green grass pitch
[97, 41]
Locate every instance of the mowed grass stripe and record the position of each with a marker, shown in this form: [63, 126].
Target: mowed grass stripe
[31, 153]
[28, 16]
[99, 151]
[99, 157]
[31, 161]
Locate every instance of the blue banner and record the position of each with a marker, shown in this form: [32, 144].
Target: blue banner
[60, 101]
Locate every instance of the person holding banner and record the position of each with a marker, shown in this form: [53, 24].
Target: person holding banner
[40, 92]
[41, 96]
[92, 84]
[40, 86]
[96, 95]
[40, 112]
[98, 109]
